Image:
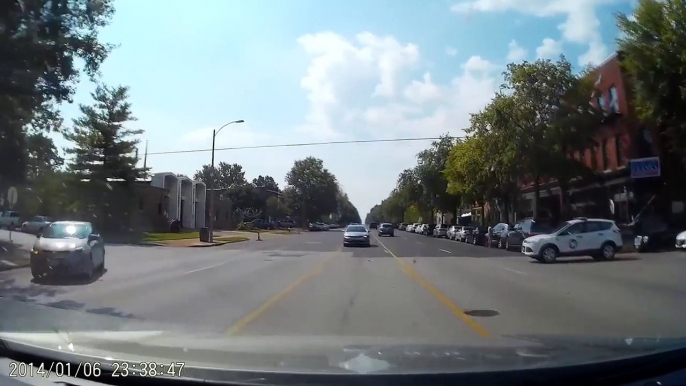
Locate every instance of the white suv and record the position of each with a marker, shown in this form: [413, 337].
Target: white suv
[599, 238]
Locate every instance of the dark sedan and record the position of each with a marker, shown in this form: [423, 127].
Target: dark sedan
[386, 229]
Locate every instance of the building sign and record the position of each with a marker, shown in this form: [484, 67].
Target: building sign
[645, 167]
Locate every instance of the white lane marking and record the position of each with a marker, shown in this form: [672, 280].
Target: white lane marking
[443, 250]
[204, 268]
[419, 242]
[313, 242]
[403, 237]
[513, 270]
[387, 251]
[11, 264]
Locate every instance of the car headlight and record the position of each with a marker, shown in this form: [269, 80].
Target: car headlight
[35, 251]
[366, 236]
[645, 239]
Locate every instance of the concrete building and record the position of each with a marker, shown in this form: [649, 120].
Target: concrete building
[185, 201]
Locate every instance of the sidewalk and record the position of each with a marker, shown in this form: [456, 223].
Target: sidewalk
[12, 256]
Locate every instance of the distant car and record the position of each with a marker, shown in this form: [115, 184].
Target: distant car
[463, 233]
[680, 241]
[9, 220]
[68, 248]
[452, 232]
[428, 229]
[386, 229]
[599, 238]
[441, 230]
[35, 224]
[524, 229]
[356, 235]
[373, 225]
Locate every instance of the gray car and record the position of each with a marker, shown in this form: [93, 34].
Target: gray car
[356, 235]
[68, 248]
[36, 224]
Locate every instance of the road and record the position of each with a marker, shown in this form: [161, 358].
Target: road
[408, 286]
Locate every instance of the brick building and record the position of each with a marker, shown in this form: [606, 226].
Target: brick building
[619, 139]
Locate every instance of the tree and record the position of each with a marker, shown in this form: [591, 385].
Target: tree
[430, 166]
[103, 147]
[275, 208]
[347, 212]
[39, 42]
[267, 182]
[653, 55]
[228, 176]
[42, 155]
[313, 186]
[545, 109]
[245, 196]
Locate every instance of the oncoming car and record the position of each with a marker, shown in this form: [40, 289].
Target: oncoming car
[356, 235]
[68, 248]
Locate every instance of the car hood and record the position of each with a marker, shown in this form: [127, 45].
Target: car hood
[65, 244]
[537, 238]
[69, 335]
[355, 234]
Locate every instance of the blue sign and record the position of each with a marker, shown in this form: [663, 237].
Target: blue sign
[645, 167]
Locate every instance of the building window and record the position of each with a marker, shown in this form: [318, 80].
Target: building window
[614, 100]
[604, 149]
[601, 102]
[618, 150]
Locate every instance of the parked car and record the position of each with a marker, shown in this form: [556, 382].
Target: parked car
[356, 235]
[523, 229]
[262, 224]
[463, 233]
[477, 236]
[680, 242]
[441, 230]
[428, 230]
[68, 248]
[286, 224]
[452, 232]
[386, 229]
[9, 219]
[420, 229]
[373, 225]
[652, 233]
[599, 238]
[496, 235]
[35, 224]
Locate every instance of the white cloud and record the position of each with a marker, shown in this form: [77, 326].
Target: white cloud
[549, 49]
[451, 51]
[365, 88]
[581, 24]
[516, 53]
[596, 54]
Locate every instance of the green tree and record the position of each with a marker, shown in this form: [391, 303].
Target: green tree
[430, 166]
[275, 208]
[228, 175]
[267, 182]
[42, 155]
[314, 187]
[347, 212]
[39, 44]
[653, 55]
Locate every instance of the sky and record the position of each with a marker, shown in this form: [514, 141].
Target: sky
[328, 70]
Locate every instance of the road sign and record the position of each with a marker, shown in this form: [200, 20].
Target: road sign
[12, 196]
[645, 167]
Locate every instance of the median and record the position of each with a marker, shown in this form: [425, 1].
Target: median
[189, 239]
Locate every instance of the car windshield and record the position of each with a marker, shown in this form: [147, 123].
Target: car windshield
[66, 231]
[278, 172]
[559, 227]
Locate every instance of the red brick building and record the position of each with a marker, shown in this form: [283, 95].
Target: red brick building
[620, 138]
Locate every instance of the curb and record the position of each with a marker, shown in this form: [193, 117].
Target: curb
[215, 244]
[150, 244]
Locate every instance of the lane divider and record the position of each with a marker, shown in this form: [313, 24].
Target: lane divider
[443, 250]
[414, 274]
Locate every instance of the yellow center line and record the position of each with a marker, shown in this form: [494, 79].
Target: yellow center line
[414, 274]
[243, 322]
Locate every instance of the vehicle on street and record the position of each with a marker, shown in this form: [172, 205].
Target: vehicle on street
[402, 226]
[462, 232]
[420, 229]
[478, 235]
[286, 224]
[356, 235]
[680, 242]
[386, 229]
[373, 225]
[652, 233]
[599, 238]
[452, 232]
[35, 224]
[9, 219]
[259, 223]
[68, 248]
[441, 230]
[497, 234]
[428, 230]
[522, 230]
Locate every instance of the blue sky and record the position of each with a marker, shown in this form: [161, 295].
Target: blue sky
[318, 70]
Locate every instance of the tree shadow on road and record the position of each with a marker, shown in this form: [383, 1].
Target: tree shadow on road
[9, 288]
[69, 280]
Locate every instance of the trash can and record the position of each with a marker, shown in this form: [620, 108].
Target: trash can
[205, 234]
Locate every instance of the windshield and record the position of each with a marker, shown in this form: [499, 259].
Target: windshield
[63, 231]
[559, 228]
[246, 169]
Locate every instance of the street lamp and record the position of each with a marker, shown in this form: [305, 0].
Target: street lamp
[214, 135]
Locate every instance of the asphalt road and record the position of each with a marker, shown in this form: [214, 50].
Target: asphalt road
[408, 286]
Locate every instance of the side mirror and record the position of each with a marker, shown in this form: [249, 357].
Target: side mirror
[93, 237]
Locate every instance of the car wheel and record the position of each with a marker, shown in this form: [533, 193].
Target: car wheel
[474, 241]
[102, 265]
[548, 254]
[507, 245]
[500, 244]
[607, 252]
[88, 272]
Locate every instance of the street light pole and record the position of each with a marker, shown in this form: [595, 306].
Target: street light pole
[212, 178]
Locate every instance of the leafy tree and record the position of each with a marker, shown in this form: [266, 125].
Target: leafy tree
[275, 208]
[547, 113]
[245, 196]
[653, 54]
[266, 182]
[347, 212]
[42, 155]
[228, 175]
[39, 42]
[314, 187]
[430, 166]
